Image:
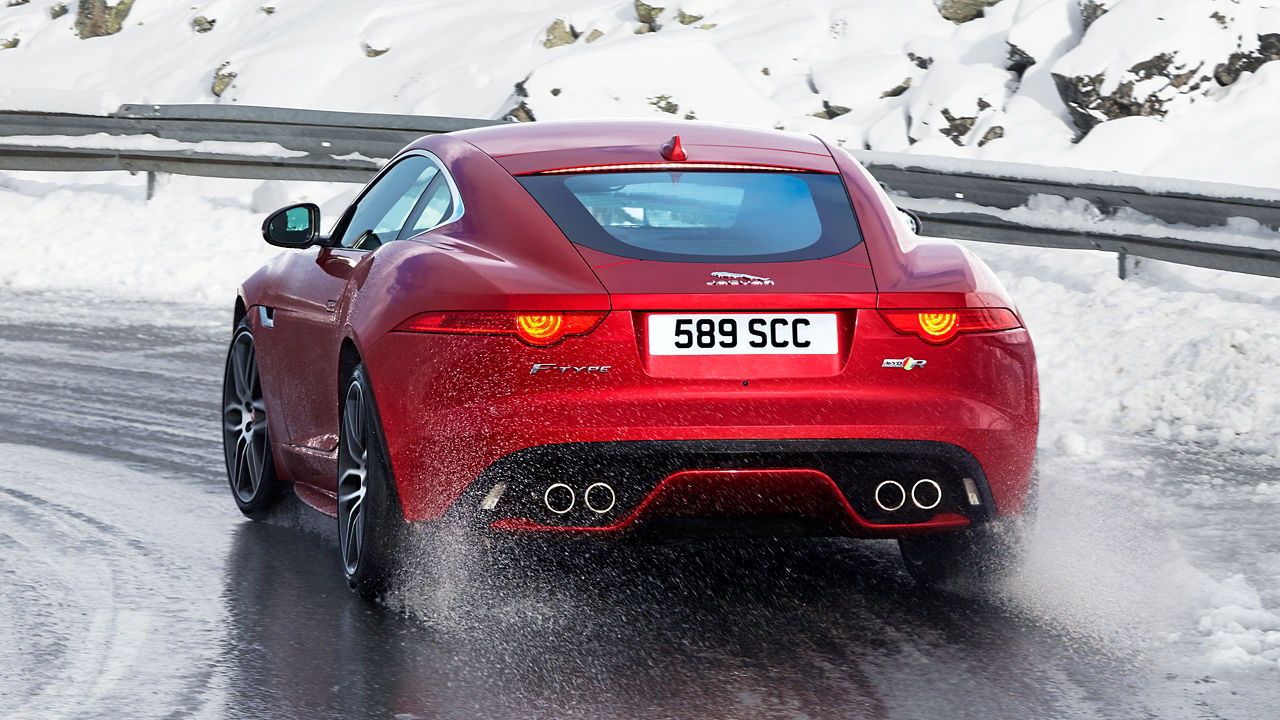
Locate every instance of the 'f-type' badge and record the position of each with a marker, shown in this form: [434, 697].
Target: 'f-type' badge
[732, 278]
[906, 363]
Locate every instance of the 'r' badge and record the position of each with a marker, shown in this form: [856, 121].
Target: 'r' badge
[907, 363]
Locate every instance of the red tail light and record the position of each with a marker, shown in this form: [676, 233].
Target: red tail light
[534, 328]
[939, 326]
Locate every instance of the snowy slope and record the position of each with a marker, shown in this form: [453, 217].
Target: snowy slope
[1187, 83]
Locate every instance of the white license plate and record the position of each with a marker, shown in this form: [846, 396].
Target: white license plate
[743, 334]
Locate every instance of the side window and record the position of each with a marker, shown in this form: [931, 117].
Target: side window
[434, 206]
[382, 212]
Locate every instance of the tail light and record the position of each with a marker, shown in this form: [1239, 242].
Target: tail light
[534, 328]
[939, 326]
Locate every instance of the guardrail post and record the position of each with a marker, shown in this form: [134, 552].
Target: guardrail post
[1122, 263]
[151, 191]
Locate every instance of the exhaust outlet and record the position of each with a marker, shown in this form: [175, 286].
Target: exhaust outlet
[926, 494]
[559, 498]
[890, 495]
[599, 498]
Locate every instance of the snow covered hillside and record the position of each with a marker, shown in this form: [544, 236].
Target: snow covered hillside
[1179, 89]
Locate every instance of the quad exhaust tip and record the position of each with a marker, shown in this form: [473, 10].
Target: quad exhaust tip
[926, 494]
[890, 495]
[599, 498]
[559, 498]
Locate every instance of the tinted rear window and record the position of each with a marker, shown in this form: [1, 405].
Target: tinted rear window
[701, 216]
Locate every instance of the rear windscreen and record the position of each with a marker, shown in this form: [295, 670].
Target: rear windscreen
[701, 216]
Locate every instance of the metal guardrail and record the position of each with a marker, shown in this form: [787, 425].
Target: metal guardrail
[348, 147]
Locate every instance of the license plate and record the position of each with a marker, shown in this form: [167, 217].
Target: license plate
[743, 334]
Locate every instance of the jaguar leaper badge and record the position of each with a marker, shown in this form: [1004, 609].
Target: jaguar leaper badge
[906, 363]
[732, 278]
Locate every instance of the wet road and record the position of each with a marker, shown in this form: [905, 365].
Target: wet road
[133, 588]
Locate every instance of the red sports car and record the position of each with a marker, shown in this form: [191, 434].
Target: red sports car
[653, 330]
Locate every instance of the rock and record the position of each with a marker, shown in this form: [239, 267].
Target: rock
[594, 35]
[707, 26]
[16, 3]
[1228, 72]
[996, 132]
[95, 18]
[202, 24]
[921, 62]
[685, 18]
[648, 17]
[952, 98]
[555, 92]
[560, 33]
[57, 11]
[663, 103]
[957, 127]
[1185, 58]
[222, 79]
[1019, 59]
[962, 11]
[898, 89]
[1089, 106]
[1091, 10]
[9, 44]
[520, 113]
[831, 112]
[373, 52]
[268, 9]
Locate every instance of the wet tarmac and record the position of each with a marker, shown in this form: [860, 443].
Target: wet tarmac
[133, 588]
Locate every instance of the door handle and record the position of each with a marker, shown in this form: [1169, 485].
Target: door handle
[331, 306]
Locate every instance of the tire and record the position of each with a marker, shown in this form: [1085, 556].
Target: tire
[246, 442]
[978, 557]
[371, 525]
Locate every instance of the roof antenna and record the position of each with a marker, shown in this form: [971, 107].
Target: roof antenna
[673, 150]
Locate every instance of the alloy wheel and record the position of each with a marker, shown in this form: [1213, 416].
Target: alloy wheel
[244, 421]
[353, 484]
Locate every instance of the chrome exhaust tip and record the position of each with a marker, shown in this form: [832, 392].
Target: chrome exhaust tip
[926, 494]
[559, 498]
[890, 495]
[599, 498]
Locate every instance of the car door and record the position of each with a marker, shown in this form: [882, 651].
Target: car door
[307, 320]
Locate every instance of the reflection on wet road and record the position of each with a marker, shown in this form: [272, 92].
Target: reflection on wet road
[133, 588]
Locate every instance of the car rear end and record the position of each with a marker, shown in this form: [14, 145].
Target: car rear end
[749, 375]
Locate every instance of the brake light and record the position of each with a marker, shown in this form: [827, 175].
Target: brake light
[541, 328]
[940, 326]
[657, 166]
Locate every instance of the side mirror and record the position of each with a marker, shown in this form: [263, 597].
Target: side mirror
[296, 226]
[913, 220]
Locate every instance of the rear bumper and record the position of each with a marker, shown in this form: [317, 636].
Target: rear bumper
[680, 489]
[457, 409]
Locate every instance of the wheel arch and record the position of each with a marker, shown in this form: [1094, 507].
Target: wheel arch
[241, 310]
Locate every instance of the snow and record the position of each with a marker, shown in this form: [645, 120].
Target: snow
[755, 62]
[1243, 635]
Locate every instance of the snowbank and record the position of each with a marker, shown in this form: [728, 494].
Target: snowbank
[1174, 87]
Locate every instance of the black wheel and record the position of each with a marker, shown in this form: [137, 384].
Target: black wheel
[371, 526]
[978, 557]
[245, 441]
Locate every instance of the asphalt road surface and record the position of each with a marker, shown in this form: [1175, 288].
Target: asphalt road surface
[133, 588]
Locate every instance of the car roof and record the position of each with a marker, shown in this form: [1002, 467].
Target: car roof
[537, 146]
